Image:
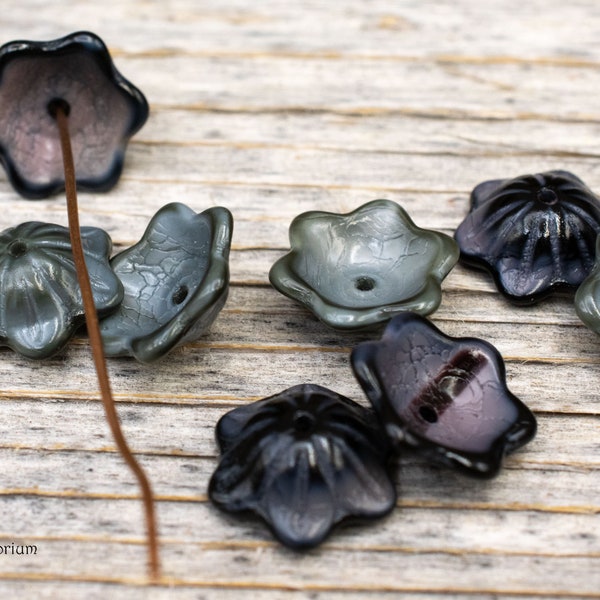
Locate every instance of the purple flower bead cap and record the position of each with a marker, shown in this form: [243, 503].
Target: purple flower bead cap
[40, 299]
[536, 234]
[445, 396]
[105, 110]
[358, 269]
[304, 460]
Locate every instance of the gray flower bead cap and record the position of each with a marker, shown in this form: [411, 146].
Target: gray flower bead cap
[176, 280]
[587, 297]
[40, 300]
[358, 269]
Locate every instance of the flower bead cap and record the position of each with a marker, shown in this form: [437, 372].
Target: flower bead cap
[587, 297]
[445, 396]
[176, 280]
[40, 299]
[105, 110]
[535, 234]
[361, 268]
[303, 460]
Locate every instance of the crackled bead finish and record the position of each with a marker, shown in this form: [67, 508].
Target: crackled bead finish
[303, 460]
[446, 396]
[105, 110]
[536, 234]
[587, 297]
[176, 280]
[358, 269]
[40, 301]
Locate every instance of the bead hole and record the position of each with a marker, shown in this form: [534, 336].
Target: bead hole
[364, 284]
[303, 422]
[57, 104]
[547, 196]
[17, 248]
[428, 413]
[180, 294]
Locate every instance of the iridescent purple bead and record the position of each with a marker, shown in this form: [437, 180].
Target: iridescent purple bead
[535, 234]
[104, 110]
[445, 396]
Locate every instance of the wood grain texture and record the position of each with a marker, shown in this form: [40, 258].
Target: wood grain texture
[272, 109]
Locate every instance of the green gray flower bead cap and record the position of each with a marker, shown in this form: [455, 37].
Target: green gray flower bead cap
[40, 300]
[176, 281]
[587, 297]
[361, 268]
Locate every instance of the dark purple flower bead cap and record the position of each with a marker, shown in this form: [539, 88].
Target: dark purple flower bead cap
[535, 234]
[104, 109]
[445, 396]
[303, 460]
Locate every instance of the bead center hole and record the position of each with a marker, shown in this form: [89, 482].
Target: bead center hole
[364, 284]
[428, 413]
[547, 196]
[303, 422]
[57, 104]
[17, 248]
[180, 294]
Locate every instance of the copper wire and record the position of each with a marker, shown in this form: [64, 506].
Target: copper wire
[60, 112]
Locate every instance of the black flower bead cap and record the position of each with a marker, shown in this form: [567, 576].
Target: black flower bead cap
[176, 281]
[303, 460]
[40, 299]
[535, 234]
[105, 110]
[446, 397]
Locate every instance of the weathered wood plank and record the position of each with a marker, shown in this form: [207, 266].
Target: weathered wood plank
[208, 371]
[266, 568]
[370, 132]
[99, 591]
[283, 166]
[278, 82]
[93, 474]
[545, 387]
[187, 430]
[386, 30]
[449, 530]
[273, 109]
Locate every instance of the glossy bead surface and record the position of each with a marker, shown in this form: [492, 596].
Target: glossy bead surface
[105, 110]
[587, 297]
[358, 269]
[445, 396]
[176, 280]
[535, 234]
[40, 301]
[303, 460]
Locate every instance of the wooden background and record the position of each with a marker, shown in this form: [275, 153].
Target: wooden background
[273, 108]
